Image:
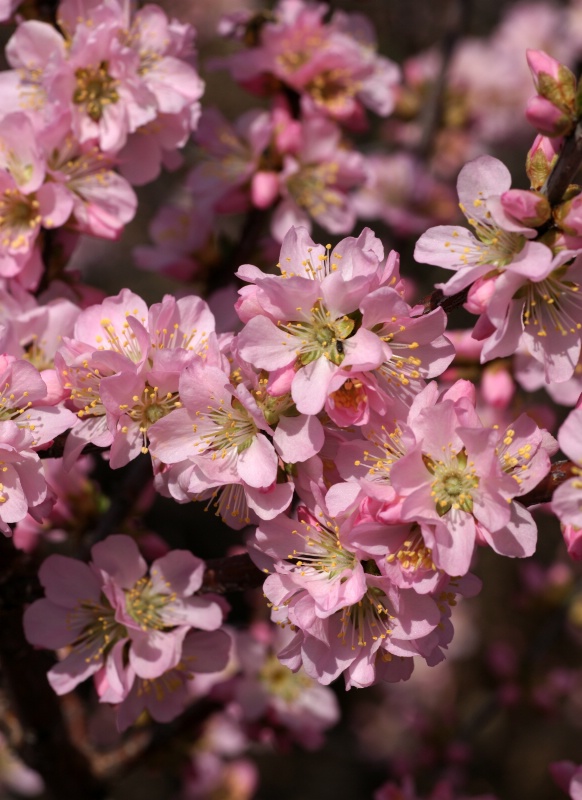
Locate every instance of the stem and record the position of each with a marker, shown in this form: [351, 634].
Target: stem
[432, 112]
[566, 167]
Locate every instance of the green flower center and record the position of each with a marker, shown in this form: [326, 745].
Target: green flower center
[95, 89]
[144, 605]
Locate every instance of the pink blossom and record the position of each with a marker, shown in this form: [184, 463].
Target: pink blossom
[323, 582]
[460, 479]
[267, 689]
[316, 179]
[566, 499]
[23, 486]
[231, 155]
[221, 438]
[165, 697]
[528, 276]
[122, 368]
[114, 601]
[334, 66]
[113, 74]
[302, 324]
[27, 201]
[101, 201]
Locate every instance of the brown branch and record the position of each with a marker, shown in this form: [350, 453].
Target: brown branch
[560, 472]
[231, 574]
[565, 168]
[433, 109]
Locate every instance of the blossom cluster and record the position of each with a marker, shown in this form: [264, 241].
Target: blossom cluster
[110, 92]
[364, 452]
[141, 629]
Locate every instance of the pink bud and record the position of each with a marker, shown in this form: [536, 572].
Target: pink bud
[573, 538]
[546, 118]
[479, 295]
[497, 387]
[570, 216]
[264, 189]
[280, 381]
[530, 208]
[540, 159]
[539, 61]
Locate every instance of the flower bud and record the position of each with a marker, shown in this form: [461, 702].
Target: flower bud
[264, 189]
[553, 81]
[540, 159]
[547, 118]
[573, 538]
[479, 295]
[539, 62]
[497, 387]
[568, 216]
[529, 207]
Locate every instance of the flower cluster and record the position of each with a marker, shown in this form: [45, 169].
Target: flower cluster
[141, 631]
[113, 90]
[525, 289]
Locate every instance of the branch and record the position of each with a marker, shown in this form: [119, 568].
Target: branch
[433, 109]
[565, 168]
[560, 472]
[231, 574]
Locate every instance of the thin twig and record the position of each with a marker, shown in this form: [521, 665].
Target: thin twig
[433, 109]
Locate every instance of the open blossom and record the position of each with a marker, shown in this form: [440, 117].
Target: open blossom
[460, 479]
[113, 74]
[316, 179]
[27, 201]
[23, 486]
[224, 439]
[98, 609]
[333, 309]
[231, 154]
[165, 697]
[567, 498]
[122, 367]
[301, 167]
[268, 690]
[533, 296]
[325, 581]
[333, 65]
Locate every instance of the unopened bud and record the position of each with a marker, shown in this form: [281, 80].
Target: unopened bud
[568, 216]
[528, 207]
[540, 62]
[547, 118]
[480, 295]
[553, 81]
[541, 159]
[264, 188]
